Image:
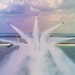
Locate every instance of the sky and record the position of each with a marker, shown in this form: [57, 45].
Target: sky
[21, 13]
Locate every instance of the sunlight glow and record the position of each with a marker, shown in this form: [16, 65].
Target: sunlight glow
[54, 3]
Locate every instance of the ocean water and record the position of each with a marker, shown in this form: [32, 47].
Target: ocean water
[69, 51]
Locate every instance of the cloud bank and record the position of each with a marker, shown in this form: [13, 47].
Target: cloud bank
[28, 6]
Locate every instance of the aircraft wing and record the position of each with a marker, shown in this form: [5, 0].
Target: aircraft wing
[60, 39]
[11, 43]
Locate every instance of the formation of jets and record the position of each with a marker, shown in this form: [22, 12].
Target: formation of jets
[35, 35]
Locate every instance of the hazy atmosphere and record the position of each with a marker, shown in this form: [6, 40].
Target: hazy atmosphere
[51, 52]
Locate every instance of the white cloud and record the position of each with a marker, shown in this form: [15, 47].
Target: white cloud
[35, 5]
[3, 6]
[54, 3]
[46, 4]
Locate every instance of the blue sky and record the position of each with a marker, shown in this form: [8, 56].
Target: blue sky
[21, 13]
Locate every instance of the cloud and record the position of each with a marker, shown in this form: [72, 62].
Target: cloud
[19, 9]
[13, 7]
[23, 6]
[46, 5]
[30, 6]
[68, 4]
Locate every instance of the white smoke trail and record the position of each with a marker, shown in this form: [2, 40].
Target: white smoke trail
[15, 60]
[64, 63]
[36, 64]
[48, 62]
